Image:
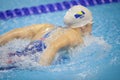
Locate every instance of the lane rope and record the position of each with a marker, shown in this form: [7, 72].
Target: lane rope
[59, 6]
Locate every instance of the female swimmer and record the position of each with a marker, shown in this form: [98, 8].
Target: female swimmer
[48, 39]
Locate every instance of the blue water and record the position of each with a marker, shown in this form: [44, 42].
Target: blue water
[93, 62]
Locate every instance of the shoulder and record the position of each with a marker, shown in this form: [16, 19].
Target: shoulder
[74, 36]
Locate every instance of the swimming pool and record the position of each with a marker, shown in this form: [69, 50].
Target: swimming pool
[93, 62]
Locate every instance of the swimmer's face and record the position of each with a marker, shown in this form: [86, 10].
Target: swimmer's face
[86, 30]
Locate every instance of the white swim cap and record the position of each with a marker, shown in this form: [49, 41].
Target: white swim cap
[78, 16]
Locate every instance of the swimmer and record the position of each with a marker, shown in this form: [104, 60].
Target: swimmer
[49, 39]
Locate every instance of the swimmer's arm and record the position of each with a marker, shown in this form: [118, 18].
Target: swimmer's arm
[25, 32]
[48, 55]
[16, 33]
[69, 39]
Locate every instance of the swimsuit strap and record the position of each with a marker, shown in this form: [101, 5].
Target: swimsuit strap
[47, 34]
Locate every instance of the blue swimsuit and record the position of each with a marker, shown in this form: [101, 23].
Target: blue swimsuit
[32, 48]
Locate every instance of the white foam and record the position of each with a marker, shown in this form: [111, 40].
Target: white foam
[12, 46]
[28, 61]
[89, 41]
[100, 40]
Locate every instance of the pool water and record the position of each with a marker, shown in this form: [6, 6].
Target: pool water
[98, 60]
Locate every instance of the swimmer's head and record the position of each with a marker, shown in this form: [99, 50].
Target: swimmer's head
[78, 16]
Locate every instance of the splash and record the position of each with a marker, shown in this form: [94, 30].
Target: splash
[94, 48]
[85, 60]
